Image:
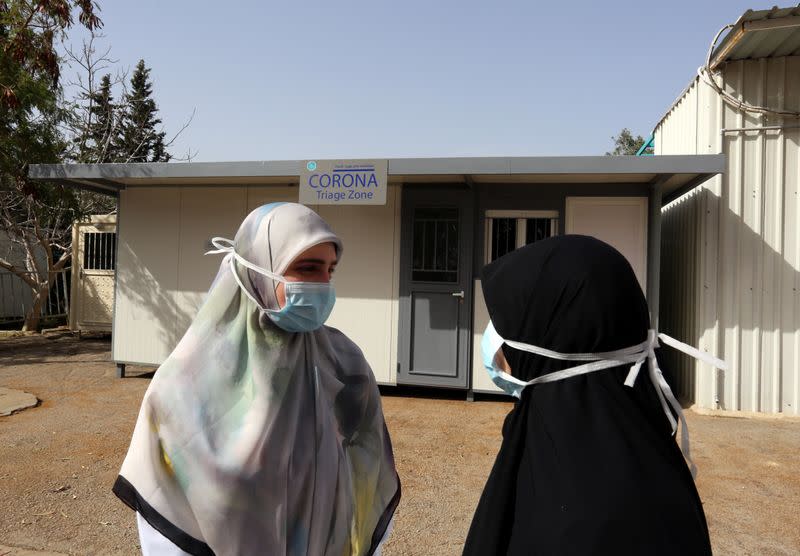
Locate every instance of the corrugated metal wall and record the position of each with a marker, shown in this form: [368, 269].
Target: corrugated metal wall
[732, 248]
[677, 315]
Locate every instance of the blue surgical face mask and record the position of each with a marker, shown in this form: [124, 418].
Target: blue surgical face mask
[308, 304]
[490, 345]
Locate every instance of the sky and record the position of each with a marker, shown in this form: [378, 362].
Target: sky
[437, 78]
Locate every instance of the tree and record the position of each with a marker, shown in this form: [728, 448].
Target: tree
[626, 144]
[36, 217]
[38, 125]
[140, 137]
[103, 129]
[29, 30]
[93, 124]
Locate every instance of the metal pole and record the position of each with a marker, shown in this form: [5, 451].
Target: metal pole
[725, 130]
[654, 249]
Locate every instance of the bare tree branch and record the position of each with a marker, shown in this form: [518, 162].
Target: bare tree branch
[182, 129]
[20, 273]
[61, 263]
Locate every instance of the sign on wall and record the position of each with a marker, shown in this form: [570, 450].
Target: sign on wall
[343, 182]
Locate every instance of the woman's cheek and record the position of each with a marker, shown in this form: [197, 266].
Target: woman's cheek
[280, 294]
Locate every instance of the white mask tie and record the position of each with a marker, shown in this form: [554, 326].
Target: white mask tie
[224, 245]
[637, 355]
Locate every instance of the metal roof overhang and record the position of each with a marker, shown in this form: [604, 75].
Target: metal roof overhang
[675, 174]
[761, 34]
[755, 35]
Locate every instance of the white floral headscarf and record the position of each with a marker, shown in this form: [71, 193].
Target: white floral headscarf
[252, 440]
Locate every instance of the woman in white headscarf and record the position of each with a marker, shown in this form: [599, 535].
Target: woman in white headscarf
[262, 432]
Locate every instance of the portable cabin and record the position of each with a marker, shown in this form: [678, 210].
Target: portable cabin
[416, 233]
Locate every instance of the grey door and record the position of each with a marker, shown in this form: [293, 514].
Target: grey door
[435, 287]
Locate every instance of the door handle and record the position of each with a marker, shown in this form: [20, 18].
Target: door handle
[459, 294]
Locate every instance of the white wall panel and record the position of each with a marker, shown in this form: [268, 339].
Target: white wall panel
[744, 228]
[144, 328]
[619, 221]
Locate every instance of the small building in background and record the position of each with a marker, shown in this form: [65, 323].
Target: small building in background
[416, 234]
[731, 248]
[94, 246]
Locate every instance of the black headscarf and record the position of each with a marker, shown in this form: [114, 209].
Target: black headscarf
[587, 464]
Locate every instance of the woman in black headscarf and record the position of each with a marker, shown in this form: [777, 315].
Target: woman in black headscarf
[588, 465]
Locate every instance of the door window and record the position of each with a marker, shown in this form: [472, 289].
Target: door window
[99, 250]
[435, 247]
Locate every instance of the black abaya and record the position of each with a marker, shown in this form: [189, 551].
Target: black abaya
[587, 464]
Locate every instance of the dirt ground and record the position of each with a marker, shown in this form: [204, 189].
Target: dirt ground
[59, 460]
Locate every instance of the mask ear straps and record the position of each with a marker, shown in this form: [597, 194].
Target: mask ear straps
[272, 262]
[241, 285]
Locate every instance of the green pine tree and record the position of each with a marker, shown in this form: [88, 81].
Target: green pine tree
[98, 131]
[140, 138]
[104, 130]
